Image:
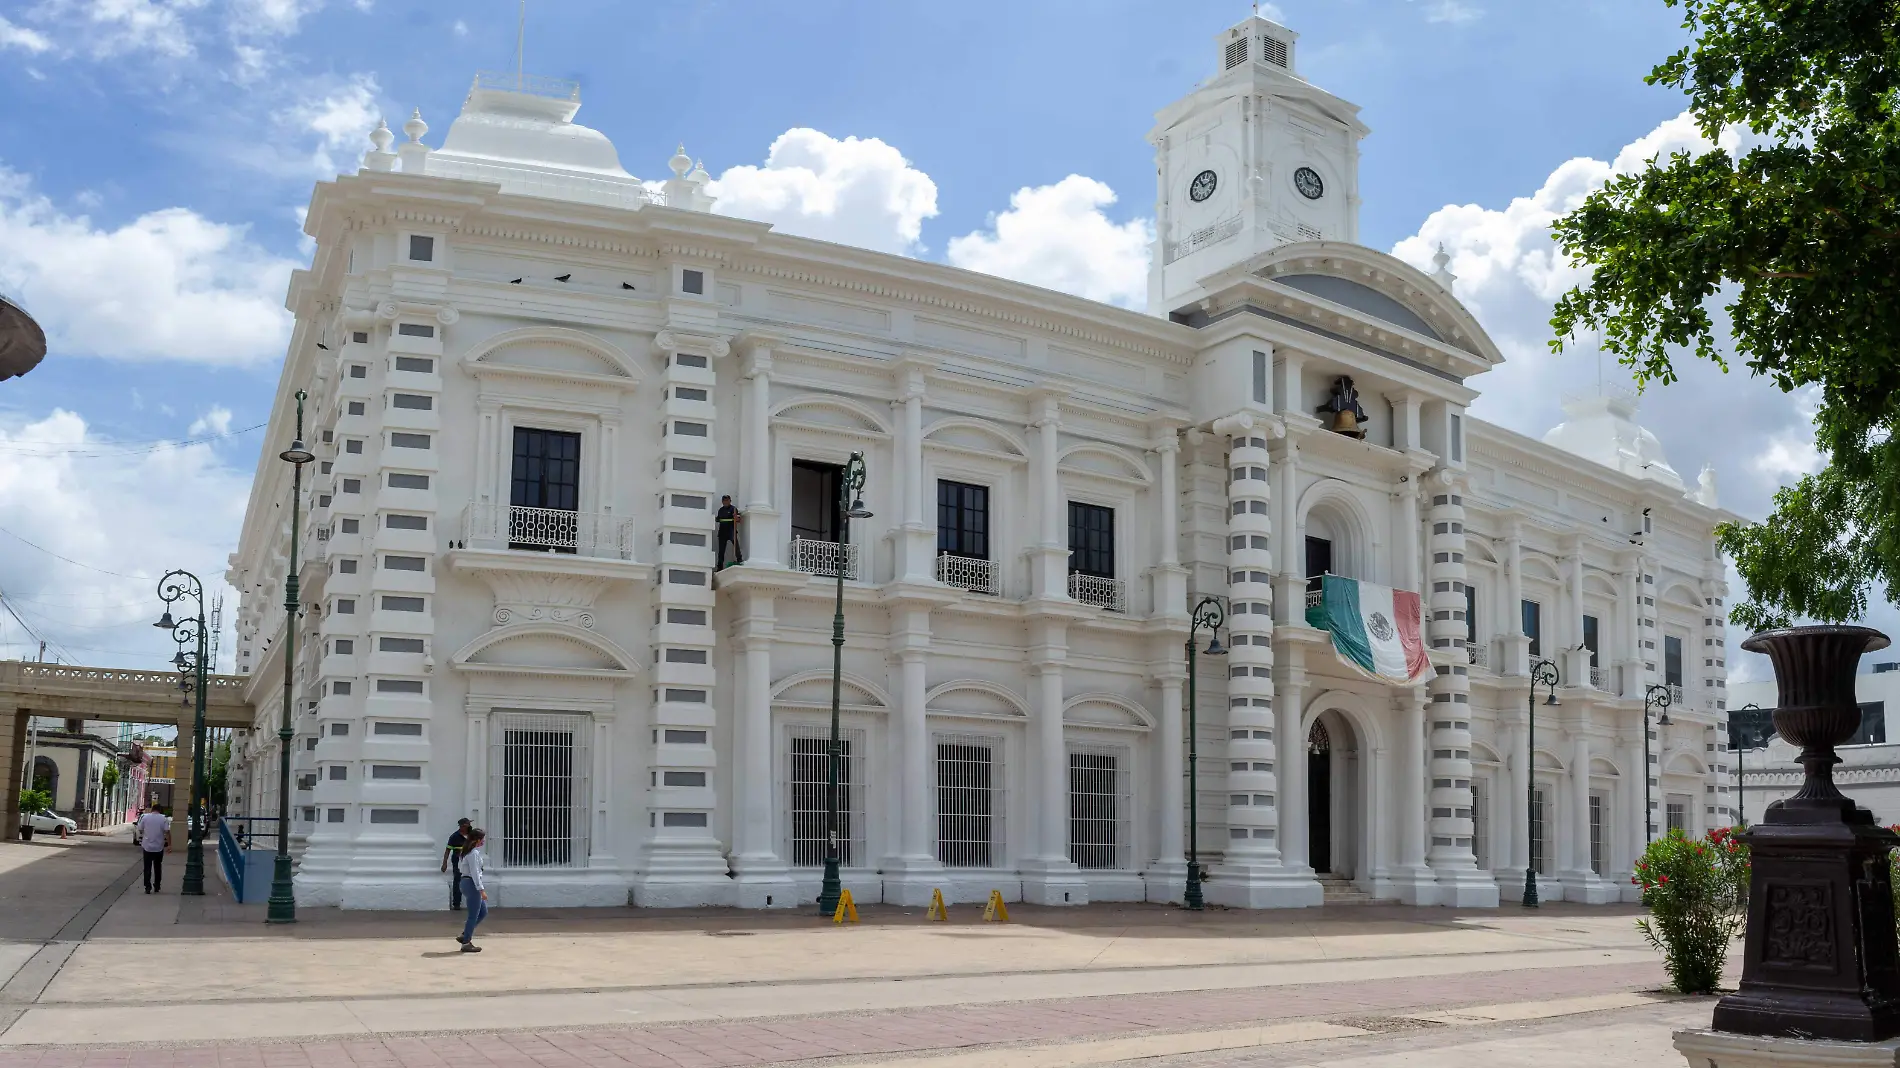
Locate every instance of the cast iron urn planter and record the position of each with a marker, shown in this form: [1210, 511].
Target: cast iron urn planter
[1820, 958]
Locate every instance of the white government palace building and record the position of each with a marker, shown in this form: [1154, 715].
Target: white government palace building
[531, 378]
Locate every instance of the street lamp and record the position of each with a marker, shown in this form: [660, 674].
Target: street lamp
[1543, 673]
[1208, 615]
[850, 506]
[192, 666]
[1655, 696]
[1744, 736]
[283, 896]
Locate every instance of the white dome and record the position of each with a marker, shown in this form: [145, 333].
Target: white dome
[1604, 429]
[522, 136]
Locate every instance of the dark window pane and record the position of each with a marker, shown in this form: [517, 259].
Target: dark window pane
[1590, 638]
[546, 474]
[1091, 539]
[1672, 660]
[1534, 626]
[815, 500]
[963, 519]
[1319, 561]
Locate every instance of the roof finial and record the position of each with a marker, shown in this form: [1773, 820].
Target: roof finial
[1441, 262]
[380, 136]
[415, 127]
[380, 158]
[681, 162]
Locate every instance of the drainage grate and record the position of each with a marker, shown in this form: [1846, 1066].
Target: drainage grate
[1387, 1024]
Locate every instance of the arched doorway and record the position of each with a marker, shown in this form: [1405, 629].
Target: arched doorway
[1333, 806]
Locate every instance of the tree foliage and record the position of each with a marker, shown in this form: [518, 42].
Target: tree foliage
[1797, 241]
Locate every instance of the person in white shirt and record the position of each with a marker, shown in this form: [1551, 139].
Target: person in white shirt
[153, 835]
[474, 888]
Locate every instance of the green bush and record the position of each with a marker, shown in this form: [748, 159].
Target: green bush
[1696, 893]
[35, 800]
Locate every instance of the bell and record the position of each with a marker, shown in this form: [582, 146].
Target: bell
[1345, 422]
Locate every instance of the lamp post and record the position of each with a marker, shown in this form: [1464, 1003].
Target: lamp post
[190, 661]
[1742, 738]
[850, 506]
[283, 896]
[1656, 695]
[1543, 673]
[1209, 615]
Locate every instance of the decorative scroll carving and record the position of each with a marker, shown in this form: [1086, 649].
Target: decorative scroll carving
[1800, 926]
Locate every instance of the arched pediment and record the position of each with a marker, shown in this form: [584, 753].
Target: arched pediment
[971, 435]
[1539, 566]
[832, 413]
[1682, 763]
[976, 697]
[1378, 286]
[1599, 583]
[1484, 754]
[1545, 760]
[1106, 710]
[1105, 461]
[813, 689]
[1600, 766]
[557, 351]
[1681, 595]
[545, 648]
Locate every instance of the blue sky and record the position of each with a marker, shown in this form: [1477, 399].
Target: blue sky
[154, 155]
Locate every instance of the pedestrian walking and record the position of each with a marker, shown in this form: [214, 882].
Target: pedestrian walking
[153, 835]
[452, 857]
[473, 888]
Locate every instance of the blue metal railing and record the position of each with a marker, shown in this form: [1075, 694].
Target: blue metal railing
[237, 839]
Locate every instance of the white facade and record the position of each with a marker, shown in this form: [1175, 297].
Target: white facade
[1869, 771]
[530, 381]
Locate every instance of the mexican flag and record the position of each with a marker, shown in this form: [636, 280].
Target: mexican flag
[1376, 629]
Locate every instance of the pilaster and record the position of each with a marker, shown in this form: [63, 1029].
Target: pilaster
[1460, 883]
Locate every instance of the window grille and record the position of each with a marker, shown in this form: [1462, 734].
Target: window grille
[1539, 821]
[1676, 815]
[969, 801]
[1480, 824]
[1099, 808]
[1236, 53]
[1273, 50]
[808, 761]
[539, 790]
[1596, 833]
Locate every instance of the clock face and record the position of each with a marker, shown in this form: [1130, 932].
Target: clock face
[1203, 186]
[1307, 181]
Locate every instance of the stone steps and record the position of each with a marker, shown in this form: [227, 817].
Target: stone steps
[1339, 891]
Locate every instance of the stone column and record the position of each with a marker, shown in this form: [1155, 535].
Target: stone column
[1515, 648]
[1630, 838]
[1168, 579]
[1460, 883]
[1252, 782]
[1521, 761]
[1295, 852]
[1507, 811]
[1412, 880]
[757, 869]
[911, 870]
[1049, 559]
[1049, 876]
[1580, 810]
[13, 759]
[761, 517]
[1166, 875]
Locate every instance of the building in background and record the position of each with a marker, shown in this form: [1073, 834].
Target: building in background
[1870, 763]
[532, 376]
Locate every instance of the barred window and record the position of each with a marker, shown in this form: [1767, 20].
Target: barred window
[1596, 833]
[969, 801]
[539, 790]
[1098, 809]
[808, 748]
[1539, 821]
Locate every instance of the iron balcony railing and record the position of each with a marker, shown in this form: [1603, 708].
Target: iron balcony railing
[1596, 677]
[968, 573]
[1098, 590]
[1675, 694]
[1478, 655]
[1315, 598]
[816, 557]
[503, 526]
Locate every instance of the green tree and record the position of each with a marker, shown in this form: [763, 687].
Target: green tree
[1798, 241]
[109, 776]
[35, 800]
[219, 773]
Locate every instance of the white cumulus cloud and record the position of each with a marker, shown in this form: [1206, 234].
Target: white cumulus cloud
[340, 116]
[855, 191]
[108, 28]
[14, 36]
[1452, 11]
[1058, 236]
[169, 285]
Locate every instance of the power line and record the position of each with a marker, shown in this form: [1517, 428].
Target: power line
[70, 560]
[95, 450]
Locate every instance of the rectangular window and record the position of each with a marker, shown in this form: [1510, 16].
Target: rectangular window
[354, 446]
[397, 772]
[346, 567]
[679, 737]
[815, 488]
[334, 815]
[412, 687]
[1319, 561]
[343, 646]
[418, 364]
[682, 819]
[690, 430]
[809, 748]
[1590, 632]
[963, 520]
[1098, 837]
[339, 773]
[404, 563]
[539, 793]
[1596, 833]
[689, 465]
[401, 604]
[406, 522]
[1676, 815]
[1672, 660]
[359, 337]
[693, 282]
[399, 440]
[419, 402]
[683, 778]
[358, 370]
[339, 688]
[1259, 377]
[969, 820]
[405, 480]
[689, 393]
[1534, 626]
[395, 815]
[350, 526]
[1539, 821]
[1091, 540]
[691, 616]
[546, 475]
[1471, 618]
[352, 485]
[1457, 439]
[339, 730]
[345, 606]
[1873, 724]
[355, 408]
[421, 249]
[399, 645]
[399, 730]
[415, 330]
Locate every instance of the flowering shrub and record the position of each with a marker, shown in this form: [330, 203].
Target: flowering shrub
[1695, 893]
[1893, 876]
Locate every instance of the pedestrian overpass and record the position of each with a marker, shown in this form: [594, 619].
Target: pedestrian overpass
[63, 691]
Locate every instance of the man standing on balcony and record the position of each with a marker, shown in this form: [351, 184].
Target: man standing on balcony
[729, 519]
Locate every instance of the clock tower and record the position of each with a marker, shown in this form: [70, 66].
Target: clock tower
[1254, 158]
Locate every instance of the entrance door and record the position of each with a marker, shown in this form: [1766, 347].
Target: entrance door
[1319, 800]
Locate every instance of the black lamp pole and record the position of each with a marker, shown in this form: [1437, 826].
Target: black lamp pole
[283, 895]
[1742, 737]
[190, 631]
[1543, 673]
[1655, 696]
[1208, 615]
[850, 506]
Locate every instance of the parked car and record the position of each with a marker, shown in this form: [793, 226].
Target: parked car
[47, 821]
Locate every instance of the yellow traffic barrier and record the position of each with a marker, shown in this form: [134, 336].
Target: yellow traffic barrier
[846, 907]
[996, 911]
[937, 911]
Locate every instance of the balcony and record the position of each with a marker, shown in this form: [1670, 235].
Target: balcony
[494, 526]
[968, 573]
[1596, 677]
[1102, 592]
[1478, 655]
[1675, 694]
[816, 557]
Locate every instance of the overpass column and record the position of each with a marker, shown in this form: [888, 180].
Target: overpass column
[181, 785]
[12, 760]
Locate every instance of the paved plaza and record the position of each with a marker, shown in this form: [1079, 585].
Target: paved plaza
[97, 972]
